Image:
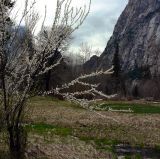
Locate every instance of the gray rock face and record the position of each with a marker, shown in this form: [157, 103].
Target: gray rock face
[138, 35]
[93, 63]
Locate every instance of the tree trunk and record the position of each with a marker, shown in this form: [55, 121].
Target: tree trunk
[17, 142]
[48, 77]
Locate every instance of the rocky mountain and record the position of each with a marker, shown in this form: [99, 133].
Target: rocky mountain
[135, 47]
[137, 34]
[91, 64]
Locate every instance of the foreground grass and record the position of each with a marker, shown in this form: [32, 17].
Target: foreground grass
[138, 129]
[46, 128]
[61, 130]
[102, 145]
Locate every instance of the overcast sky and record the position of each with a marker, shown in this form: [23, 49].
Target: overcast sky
[99, 24]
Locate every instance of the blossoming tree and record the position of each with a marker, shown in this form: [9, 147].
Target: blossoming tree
[20, 66]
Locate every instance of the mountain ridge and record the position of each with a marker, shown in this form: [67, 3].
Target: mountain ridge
[137, 33]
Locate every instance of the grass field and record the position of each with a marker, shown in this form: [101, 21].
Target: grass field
[148, 108]
[62, 130]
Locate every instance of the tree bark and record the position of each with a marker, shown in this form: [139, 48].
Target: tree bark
[17, 142]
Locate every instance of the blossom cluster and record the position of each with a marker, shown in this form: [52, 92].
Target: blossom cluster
[90, 90]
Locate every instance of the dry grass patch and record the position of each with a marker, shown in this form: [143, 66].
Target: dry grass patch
[132, 128]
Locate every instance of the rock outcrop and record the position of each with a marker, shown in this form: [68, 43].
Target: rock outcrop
[136, 43]
[92, 64]
[137, 33]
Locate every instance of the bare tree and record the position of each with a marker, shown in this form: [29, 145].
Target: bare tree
[86, 51]
[97, 52]
[20, 69]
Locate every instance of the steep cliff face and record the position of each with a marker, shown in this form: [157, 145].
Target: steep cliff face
[137, 33]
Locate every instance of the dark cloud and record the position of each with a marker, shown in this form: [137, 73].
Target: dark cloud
[100, 23]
